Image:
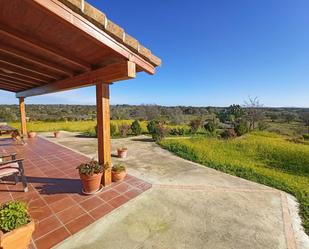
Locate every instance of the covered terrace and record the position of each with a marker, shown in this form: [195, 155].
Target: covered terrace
[48, 46]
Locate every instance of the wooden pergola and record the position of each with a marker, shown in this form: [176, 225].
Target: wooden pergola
[48, 46]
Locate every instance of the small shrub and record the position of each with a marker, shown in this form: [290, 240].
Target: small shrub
[306, 136]
[229, 133]
[157, 130]
[13, 215]
[136, 128]
[119, 168]
[241, 128]
[151, 126]
[177, 131]
[90, 168]
[210, 126]
[262, 125]
[124, 129]
[195, 124]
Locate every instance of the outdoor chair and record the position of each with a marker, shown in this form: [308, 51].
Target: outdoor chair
[10, 166]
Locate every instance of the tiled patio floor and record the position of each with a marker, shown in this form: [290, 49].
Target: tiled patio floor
[54, 197]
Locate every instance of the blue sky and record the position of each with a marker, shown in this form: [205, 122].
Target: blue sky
[214, 52]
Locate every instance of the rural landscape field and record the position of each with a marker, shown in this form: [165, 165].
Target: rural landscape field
[268, 146]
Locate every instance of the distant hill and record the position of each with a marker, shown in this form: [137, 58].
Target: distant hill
[175, 114]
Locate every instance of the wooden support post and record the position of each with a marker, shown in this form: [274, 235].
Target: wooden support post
[23, 117]
[103, 129]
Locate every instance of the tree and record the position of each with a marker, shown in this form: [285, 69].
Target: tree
[304, 116]
[136, 128]
[288, 117]
[254, 112]
[231, 114]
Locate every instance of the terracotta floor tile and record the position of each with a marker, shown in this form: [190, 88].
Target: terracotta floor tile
[91, 203]
[123, 187]
[47, 225]
[133, 193]
[79, 223]
[101, 211]
[55, 199]
[70, 214]
[52, 239]
[108, 195]
[62, 204]
[118, 201]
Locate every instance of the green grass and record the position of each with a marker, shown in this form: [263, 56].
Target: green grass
[73, 126]
[262, 157]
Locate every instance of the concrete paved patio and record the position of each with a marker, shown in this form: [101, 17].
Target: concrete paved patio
[189, 206]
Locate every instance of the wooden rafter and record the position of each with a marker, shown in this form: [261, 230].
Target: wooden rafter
[37, 61]
[29, 41]
[26, 66]
[21, 78]
[9, 86]
[111, 73]
[23, 72]
[19, 82]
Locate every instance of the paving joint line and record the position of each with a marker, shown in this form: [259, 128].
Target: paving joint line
[287, 223]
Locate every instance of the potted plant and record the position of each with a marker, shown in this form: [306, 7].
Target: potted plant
[119, 172]
[122, 152]
[57, 134]
[31, 134]
[16, 226]
[91, 175]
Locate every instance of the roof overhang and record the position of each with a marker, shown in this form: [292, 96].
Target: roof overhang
[50, 45]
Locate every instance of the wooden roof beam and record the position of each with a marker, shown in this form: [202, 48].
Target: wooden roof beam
[16, 83]
[20, 78]
[14, 80]
[28, 67]
[23, 72]
[108, 74]
[5, 86]
[28, 57]
[71, 18]
[29, 41]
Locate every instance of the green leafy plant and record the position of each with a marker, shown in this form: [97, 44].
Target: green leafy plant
[306, 136]
[119, 168]
[136, 128]
[210, 126]
[90, 168]
[122, 148]
[13, 215]
[151, 126]
[241, 128]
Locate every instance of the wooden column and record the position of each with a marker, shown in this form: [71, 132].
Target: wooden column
[103, 129]
[23, 117]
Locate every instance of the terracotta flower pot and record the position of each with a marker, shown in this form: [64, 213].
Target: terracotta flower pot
[118, 176]
[91, 183]
[57, 134]
[19, 238]
[122, 153]
[31, 134]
